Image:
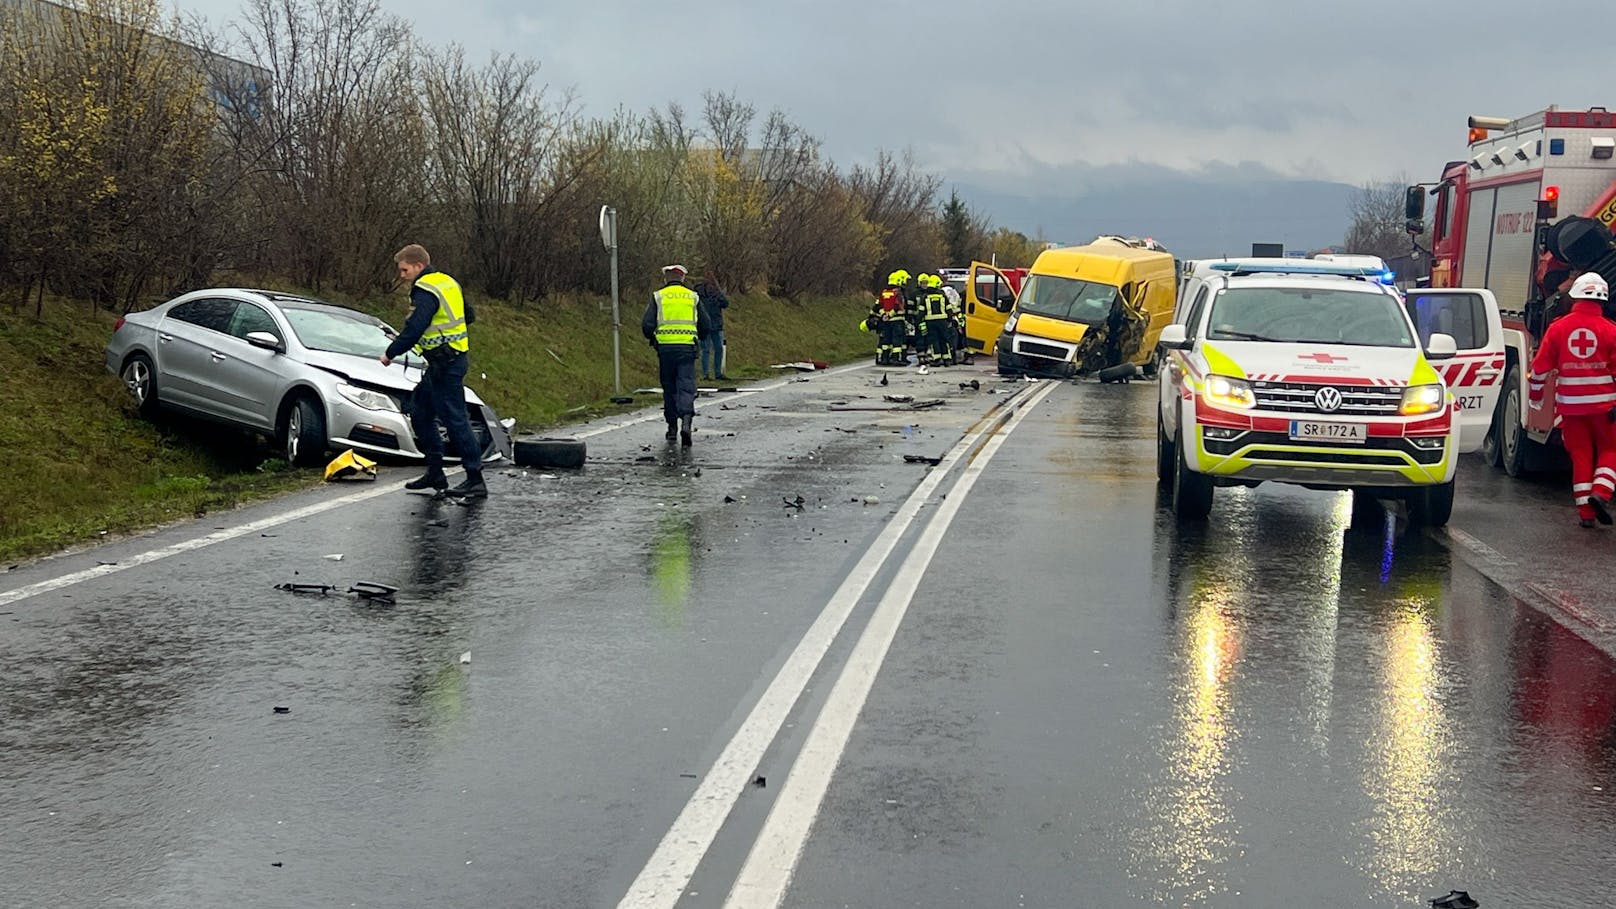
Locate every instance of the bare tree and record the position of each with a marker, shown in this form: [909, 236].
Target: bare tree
[1377, 219]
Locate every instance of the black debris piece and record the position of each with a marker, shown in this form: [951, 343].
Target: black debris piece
[645, 459]
[370, 590]
[760, 782]
[1456, 899]
[973, 385]
[729, 500]
[898, 399]
[922, 459]
[283, 710]
[794, 503]
[277, 864]
[295, 587]
[883, 379]
[623, 399]
[926, 405]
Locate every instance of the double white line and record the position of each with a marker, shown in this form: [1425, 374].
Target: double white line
[769, 867]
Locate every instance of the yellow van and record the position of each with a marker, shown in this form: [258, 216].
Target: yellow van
[1084, 309]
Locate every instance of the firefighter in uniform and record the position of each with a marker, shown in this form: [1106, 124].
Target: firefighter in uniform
[936, 326]
[436, 330]
[1581, 347]
[911, 318]
[887, 315]
[956, 314]
[674, 323]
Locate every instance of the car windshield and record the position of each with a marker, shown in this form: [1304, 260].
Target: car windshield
[337, 330]
[1308, 315]
[1070, 299]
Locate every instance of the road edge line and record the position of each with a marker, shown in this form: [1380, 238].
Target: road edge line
[1503, 571]
[662, 881]
[772, 862]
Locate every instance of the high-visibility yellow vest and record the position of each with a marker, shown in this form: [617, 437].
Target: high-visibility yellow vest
[936, 306]
[676, 315]
[449, 322]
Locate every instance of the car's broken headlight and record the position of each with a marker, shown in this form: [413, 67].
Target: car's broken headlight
[366, 398]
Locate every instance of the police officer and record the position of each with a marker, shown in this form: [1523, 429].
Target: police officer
[675, 323]
[436, 330]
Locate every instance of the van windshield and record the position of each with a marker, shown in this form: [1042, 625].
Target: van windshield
[1070, 299]
[1308, 315]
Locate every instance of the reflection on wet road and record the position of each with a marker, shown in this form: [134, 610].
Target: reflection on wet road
[1086, 704]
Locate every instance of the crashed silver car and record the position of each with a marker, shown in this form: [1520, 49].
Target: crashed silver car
[303, 372]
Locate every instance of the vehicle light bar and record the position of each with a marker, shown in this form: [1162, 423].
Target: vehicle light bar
[1301, 268]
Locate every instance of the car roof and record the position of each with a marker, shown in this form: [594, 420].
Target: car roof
[278, 298]
[1330, 282]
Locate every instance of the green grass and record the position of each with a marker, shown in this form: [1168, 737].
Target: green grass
[80, 464]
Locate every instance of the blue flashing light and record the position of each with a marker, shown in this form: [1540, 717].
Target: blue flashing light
[1556, 146]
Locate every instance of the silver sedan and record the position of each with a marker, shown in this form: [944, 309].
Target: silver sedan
[303, 372]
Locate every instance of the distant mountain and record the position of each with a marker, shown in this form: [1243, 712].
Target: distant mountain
[1194, 216]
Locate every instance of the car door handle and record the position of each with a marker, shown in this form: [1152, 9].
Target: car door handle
[970, 307]
[165, 338]
[217, 357]
[1487, 373]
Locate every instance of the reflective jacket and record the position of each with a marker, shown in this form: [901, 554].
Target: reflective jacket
[675, 318]
[888, 305]
[449, 322]
[936, 306]
[1581, 347]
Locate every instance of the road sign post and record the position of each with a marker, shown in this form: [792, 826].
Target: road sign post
[608, 237]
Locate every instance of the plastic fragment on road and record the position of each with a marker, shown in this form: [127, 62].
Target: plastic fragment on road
[803, 365]
[294, 587]
[761, 781]
[796, 503]
[465, 658]
[283, 709]
[1456, 899]
[872, 500]
[898, 399]
[335, 557]
[922, 459]
[729, 500]
[371, 590]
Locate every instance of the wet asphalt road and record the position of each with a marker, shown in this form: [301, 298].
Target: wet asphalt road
[1083, 704]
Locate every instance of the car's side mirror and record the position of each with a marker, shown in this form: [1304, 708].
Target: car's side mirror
[1175, 337]
[265, 340]
[1441, 347]
[1414, 203]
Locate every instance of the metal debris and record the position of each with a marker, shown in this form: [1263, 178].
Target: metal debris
[797, 503]
[922, 459]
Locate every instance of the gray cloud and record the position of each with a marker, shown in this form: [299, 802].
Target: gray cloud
[1053, 90]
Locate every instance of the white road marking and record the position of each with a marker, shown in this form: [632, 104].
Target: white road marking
[661, 883]
[192, 545]
[156, 555]
[773, 860]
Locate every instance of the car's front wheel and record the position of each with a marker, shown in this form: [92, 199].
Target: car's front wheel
[1192, 492]
[1431, 506]
[303, 438]
[1166, 453]
[140, 377]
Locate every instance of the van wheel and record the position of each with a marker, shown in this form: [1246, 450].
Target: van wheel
[1192, 492]
[303, 439]
[1166, 453]
[1431, 506]
[1513, 444]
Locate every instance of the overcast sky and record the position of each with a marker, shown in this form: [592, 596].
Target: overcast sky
[1033, 97]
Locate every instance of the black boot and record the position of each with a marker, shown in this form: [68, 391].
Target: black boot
[433, 479]
[673, 430]
[684, 433]
[471, 487]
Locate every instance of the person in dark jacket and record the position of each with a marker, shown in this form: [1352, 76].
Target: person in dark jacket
[436, 330]
[712, 347]
[675, 323]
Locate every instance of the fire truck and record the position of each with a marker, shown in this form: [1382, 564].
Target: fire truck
[1497, 224]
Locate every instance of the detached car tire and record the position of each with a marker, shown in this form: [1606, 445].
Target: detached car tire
[564, 453]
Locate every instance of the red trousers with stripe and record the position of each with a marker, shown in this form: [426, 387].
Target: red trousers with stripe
[1590, 440]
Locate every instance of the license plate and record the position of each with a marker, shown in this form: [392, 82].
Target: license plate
[1313, 431]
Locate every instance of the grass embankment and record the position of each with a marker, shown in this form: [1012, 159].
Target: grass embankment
[79, 463]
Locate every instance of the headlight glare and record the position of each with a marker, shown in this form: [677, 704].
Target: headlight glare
[1223, 391]
[1421, 399]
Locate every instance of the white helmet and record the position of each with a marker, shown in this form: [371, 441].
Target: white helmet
[1590, 287]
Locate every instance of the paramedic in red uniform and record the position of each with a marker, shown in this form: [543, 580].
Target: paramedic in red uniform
[1581, 347]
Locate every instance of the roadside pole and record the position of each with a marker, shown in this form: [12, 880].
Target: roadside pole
[608, 236]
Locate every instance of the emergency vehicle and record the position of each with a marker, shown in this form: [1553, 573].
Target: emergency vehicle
[1314, 374]
[1497, 225]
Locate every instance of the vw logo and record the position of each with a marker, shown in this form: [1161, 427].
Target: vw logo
[1327, 400]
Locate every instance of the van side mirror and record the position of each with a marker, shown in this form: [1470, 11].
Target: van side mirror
[1441, 347]
[1175, 337]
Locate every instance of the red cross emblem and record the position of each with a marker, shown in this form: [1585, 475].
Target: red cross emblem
[1582, 343]
[1322, 358]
